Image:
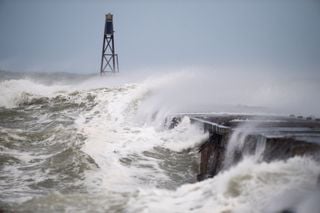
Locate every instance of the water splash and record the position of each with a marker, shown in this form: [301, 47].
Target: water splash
[244, 143]
[106, 147]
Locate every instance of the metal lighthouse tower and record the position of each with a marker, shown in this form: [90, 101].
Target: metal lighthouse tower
[109, 59]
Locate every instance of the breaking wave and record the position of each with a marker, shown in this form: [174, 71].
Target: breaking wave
[103, 145]
[247, 187]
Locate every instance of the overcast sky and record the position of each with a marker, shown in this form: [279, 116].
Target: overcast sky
[43, 35]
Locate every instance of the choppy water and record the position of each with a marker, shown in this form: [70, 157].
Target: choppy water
[90, 146]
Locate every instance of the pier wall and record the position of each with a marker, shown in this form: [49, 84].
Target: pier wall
[290, 138]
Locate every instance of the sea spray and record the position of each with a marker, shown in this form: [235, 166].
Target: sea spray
[118, 144]
[247, 187]
[100, 145]
[241, 142]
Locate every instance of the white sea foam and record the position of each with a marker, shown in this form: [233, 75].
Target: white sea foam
[14, 92]
[247, 187]
[127, 121]
[114, 131]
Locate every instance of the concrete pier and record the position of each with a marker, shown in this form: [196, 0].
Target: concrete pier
[282, 137]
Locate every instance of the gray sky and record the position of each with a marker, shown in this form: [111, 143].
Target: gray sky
[61, 35]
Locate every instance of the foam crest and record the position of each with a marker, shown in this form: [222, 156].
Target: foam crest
[14, 92]
[247, 187]
[117, 142]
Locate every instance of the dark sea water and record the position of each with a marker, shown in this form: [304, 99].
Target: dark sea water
[78, 144]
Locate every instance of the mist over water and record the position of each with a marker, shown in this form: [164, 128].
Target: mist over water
[102, 144]
[233, 90]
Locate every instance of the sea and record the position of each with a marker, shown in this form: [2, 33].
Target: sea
[85, 143]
